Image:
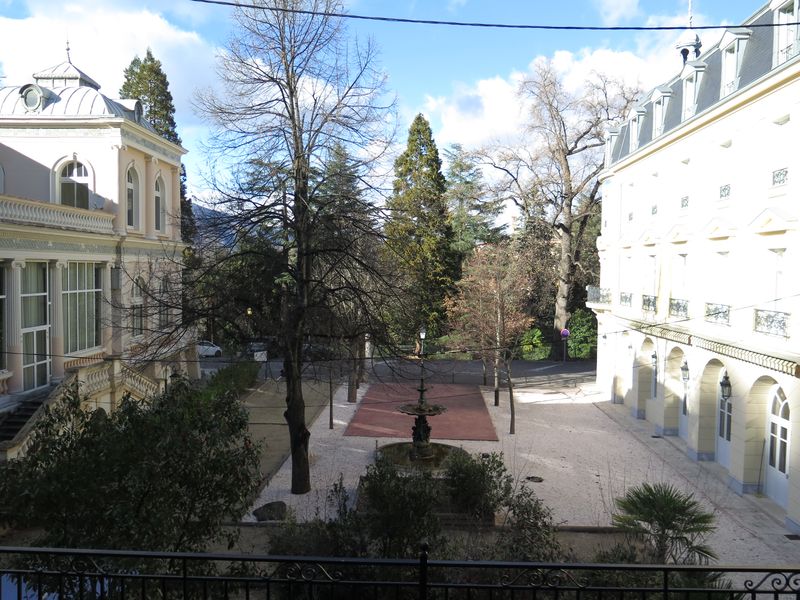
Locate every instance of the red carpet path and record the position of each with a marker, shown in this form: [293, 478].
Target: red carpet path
[466, 417]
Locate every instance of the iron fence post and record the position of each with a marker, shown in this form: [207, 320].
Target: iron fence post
[423, 572]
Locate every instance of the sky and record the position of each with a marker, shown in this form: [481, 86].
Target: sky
[463, 79]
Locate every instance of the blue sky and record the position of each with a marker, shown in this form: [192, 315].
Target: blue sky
[463, 79]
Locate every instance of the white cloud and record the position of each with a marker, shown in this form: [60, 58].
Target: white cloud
[104, 36]
[614, 12]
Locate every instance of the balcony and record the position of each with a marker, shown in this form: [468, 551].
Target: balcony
[625, 299]
[649, 303]
[44, 214]
[598, 295]
[788, 52]
[718, 313]
[36, 573]
[771, 322]
[678, 308]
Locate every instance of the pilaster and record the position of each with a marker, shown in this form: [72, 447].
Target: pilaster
[57, 346]
[14, 327]
[148, 197]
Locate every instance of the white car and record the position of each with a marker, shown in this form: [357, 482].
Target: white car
[206, 349]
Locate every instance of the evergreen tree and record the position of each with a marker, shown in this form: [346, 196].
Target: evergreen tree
[146, 81]
[419, 231]
[473, 211]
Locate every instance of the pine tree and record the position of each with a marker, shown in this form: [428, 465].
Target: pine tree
[419, 231]
[473, 211]
[146, 81]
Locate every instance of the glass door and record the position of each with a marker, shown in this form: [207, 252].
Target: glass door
[35, 326]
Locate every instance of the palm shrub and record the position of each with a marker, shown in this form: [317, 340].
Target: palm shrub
[670, 524]
[533, 346]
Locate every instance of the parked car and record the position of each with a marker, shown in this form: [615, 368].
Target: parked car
[206, 349]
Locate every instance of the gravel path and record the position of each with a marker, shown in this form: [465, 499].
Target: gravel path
[587, 452]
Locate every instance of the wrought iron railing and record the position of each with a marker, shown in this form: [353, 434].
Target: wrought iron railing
[678, 307]
[34, 574]
[718, 313]
[598, 295]
[625, 298]
[649, 303]
[780, 177]
[771, 322]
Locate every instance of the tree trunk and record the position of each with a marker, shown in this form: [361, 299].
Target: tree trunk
[512, 426]
[352, 379]
[565, 281]
[295, 416]
[497, 377]
[483, 364]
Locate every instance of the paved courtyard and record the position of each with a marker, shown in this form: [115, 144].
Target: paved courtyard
[586, 451]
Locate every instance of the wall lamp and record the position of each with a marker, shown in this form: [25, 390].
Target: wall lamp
[725, 386]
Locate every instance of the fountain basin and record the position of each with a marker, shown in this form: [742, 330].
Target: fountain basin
[401, 455]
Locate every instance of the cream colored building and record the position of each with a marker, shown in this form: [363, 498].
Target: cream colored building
[89, 241]
[699, 252]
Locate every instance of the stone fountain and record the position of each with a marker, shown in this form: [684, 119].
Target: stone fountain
[421, 431]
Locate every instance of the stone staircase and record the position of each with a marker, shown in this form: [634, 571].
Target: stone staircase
[12, 422]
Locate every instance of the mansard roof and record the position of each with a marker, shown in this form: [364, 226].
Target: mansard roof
[756, 63]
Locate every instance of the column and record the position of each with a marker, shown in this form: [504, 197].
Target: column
[148, 197]
[14, 362]
[57, 346]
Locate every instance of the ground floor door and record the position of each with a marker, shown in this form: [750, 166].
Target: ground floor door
[777, 454]
[683, 418]
[724, 422]
[35, 358]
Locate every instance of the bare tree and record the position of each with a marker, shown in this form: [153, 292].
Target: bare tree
[293, 87]
[554, 177]
[487, 311]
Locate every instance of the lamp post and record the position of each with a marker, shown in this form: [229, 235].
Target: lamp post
[725, 386]
[422, 333]
[685, 373]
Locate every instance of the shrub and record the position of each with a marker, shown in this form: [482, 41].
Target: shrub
[533, 345]
[582, 341]
[234, 378]
[477, 486]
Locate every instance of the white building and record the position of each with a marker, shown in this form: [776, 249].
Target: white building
[89, 236]
[699, 257]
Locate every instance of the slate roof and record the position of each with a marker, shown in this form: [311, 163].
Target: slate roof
[756, 63]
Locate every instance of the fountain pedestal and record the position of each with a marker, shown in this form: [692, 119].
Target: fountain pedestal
[421, 431]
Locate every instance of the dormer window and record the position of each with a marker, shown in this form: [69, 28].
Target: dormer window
[733, 45]
[689, 96]
[786, 35]
[74, 185]
[659, 110]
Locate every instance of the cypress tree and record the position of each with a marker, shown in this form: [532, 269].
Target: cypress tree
[419, 231]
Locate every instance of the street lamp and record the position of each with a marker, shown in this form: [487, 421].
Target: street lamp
[725, 386]
[654, 359]
[685, 372]
[422, 334]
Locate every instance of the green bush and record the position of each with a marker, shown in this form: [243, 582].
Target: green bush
[533, 345]
[582, 341]
[236, 378]
[478, 486]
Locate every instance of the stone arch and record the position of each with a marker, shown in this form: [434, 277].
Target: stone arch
[674, 390]
[753, 432]
[644, 376]
[703, 420]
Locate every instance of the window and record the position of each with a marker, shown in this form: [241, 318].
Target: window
[35, 326]
[163, 310]
[159, 200]
[2, 317]
[658, 117]
[132, 187]
[725, 418]
[689, 96]
[137, 307]
[634, 130]
[779, 432]
[81, 297]
[786, 35]
[2, 180]
[74, 185]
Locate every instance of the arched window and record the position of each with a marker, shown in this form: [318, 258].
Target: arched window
[779, 432]
[74, 185]
[132, 187]
[159, 197]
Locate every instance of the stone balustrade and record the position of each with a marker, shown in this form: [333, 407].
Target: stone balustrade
[142, 385]
[95, 379]
[4, 377]
[32, 212]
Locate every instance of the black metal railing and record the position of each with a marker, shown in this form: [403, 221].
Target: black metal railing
[625, 298]
[718, 313]
[678, 307]
[34, 573]
[598, 295]
[772, 322]
[649, 303]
